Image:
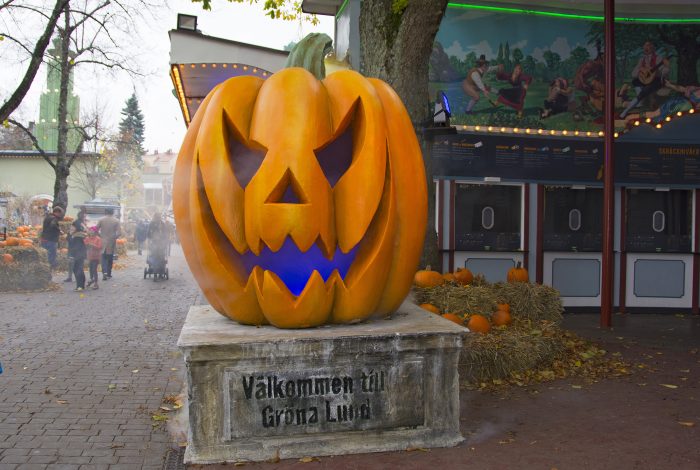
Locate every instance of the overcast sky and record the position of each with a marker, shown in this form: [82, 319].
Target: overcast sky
[165, 127]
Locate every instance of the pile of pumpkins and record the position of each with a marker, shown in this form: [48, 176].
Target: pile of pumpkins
[477, 323]
[23, 236]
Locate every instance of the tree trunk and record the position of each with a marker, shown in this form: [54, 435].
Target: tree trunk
[60, 196]
[60, 185]
[396, 47]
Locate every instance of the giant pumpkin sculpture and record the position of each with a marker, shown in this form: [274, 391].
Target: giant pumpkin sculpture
[301, 201]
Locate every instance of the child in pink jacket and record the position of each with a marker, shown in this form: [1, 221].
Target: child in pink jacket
[94, 252]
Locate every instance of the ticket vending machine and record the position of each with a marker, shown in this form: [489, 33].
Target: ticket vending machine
[572, 243]
[658, 242]
[488, 228]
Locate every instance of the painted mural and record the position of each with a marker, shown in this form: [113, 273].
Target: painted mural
[528, 71]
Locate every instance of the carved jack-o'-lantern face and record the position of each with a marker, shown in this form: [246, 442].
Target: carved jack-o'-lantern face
[300, 202]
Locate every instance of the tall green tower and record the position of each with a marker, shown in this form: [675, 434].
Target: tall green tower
[47, 125]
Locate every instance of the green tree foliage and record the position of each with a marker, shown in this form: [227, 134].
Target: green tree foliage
[517, 56]
[131, 131]
[529, 64]
[552, 60]
[568, 67]
[506, 56]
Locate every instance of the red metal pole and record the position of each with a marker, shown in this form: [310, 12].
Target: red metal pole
[606, 301]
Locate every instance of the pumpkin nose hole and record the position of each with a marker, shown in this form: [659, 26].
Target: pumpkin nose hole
[287, 191]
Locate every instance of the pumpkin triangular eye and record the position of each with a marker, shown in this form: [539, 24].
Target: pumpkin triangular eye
[336, 156]
[245, 160]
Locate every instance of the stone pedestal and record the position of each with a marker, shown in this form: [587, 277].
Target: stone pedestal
[257, 393]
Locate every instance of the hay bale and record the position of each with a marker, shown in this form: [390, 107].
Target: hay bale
[511, 350]
[532, 340]
[527, 301]
[121, 250]
[29, 271]
[530, 301]
[451, 297]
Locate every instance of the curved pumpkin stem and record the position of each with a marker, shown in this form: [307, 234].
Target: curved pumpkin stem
[309, 54]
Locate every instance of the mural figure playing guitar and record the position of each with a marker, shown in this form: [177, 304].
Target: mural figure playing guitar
[648, 76]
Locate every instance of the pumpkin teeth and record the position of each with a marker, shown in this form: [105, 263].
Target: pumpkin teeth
[327, 248]
[285, 310]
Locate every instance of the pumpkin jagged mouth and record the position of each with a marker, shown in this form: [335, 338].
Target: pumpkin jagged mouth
[295, 267]
[299, 270]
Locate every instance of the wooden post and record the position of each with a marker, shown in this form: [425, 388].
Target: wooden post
[606, 301]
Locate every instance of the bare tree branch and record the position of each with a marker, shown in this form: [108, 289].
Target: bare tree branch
[16, 98]
[6, 4]
[34, 141]
[32, 9]
[88, 15]
[16, 41]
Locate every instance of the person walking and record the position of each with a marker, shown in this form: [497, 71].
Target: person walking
[78, 251]
[50, 234]
[94, 252]
[109, 230]
[82, 215]
[158, 239]
[141, 234]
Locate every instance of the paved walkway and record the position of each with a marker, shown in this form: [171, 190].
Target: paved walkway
[83, 373]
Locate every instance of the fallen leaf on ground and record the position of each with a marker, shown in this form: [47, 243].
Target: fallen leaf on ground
[62, 402]
[308, 459]
[690, 424]
[417, 449]
[157, 417]
[669, 385]
[135, 371]
[116, 446]
[166, 409]
[111, 387]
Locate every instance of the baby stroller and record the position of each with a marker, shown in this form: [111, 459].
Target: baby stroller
[156, 260]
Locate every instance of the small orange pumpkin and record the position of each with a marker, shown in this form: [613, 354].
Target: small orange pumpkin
[517, 274]
[501, 318]
[453, 318]
[12, 241]
[26, 242]
[479, 324]
[7, 258]
[428, 278]
[3, 243]
[464, 276]
[430, 308]
[448, 277]
[504, 307]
